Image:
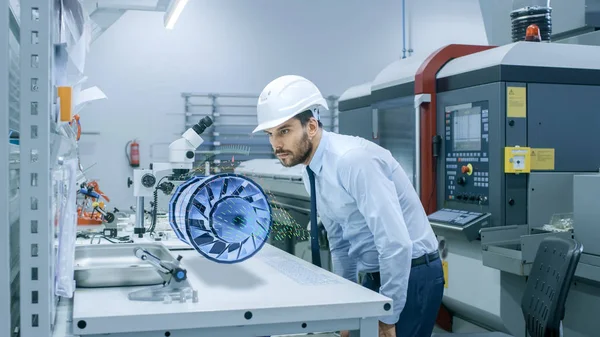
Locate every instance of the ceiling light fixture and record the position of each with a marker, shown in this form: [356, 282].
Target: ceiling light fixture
[173, 12]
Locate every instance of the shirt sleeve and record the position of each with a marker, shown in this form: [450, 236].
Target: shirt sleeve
[367, 178]
[342, 264]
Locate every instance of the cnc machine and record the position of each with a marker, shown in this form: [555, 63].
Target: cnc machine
[503, 146]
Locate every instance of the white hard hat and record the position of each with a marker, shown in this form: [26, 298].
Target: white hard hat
[284, 98]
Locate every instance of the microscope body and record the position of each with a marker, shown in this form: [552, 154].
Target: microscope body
[182, 154]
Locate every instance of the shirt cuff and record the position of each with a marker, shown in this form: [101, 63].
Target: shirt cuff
[392, 319]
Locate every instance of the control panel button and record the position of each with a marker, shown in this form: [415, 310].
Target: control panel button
[462, 181]
[467, 169]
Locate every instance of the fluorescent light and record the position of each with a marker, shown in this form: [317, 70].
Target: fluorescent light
[173, 12]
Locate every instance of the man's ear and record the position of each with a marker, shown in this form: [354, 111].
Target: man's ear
[313, 127]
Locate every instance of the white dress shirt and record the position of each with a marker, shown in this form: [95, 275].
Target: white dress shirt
[373, 216]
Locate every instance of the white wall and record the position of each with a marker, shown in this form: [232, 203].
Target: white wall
[239, 46]
[436, 23]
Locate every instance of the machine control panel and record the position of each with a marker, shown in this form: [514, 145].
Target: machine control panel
[466, 153]
[468, 222]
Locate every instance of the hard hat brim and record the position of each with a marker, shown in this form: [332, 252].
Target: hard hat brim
[321, 103]
[273, 123]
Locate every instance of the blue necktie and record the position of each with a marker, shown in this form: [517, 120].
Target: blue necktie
[314, 226]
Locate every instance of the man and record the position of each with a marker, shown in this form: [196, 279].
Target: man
[374, 219]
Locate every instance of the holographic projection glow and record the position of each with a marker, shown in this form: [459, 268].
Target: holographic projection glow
[284, 227]
[225, 217]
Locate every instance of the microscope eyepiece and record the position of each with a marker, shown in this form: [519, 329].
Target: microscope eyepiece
[202, 125]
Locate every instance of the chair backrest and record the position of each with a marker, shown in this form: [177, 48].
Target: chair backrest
[548, 285]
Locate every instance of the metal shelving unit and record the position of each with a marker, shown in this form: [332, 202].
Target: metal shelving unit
[234, 117]
[10, 169]
[13, 212]
[5, 287]
[38, 27]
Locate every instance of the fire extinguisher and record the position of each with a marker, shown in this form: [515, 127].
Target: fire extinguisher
[132, 151]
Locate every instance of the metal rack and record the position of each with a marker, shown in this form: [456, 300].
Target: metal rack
[234, 117]
[13, 201]
[10, 169]
[35, 306]
[5, 282]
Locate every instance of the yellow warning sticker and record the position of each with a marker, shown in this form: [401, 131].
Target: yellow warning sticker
[516, 102]
[445, 268]
[517, 159]
[542, 159]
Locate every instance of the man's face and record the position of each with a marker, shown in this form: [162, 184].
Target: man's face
[290, 142]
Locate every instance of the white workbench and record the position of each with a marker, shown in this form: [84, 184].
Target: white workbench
[172, 243]
[283, 294]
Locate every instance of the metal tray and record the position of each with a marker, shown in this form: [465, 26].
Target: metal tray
[115, 265]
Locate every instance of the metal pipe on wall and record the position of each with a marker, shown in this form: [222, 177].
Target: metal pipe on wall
[404, 29]
[406, 48]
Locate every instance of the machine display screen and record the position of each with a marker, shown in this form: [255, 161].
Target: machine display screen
[467, 129]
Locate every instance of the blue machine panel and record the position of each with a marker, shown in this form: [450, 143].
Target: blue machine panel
[225, 217]
[467, 153]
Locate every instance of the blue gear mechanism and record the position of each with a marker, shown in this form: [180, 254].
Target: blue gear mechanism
[225, 217]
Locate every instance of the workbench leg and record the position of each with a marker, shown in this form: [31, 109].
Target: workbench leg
[369, 327]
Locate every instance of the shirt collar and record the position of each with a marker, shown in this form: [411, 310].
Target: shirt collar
[316, 163]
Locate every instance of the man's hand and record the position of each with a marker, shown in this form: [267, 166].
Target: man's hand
[387, 330]
[345, 333]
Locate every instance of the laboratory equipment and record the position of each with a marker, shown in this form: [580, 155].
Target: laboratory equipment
[115, 265]
[225, 217]
[90, 209]
[182, 154]
[175, 286]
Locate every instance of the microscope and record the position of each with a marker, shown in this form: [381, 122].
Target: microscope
[182, 153]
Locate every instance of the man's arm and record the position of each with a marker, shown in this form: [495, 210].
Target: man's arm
[343, 265]
[368, 179]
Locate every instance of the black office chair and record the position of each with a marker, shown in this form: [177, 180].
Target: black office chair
[543, 303]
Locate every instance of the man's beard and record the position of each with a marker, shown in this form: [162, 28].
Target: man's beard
[304, 148]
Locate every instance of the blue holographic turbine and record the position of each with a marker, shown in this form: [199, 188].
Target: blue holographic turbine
[225, 217]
